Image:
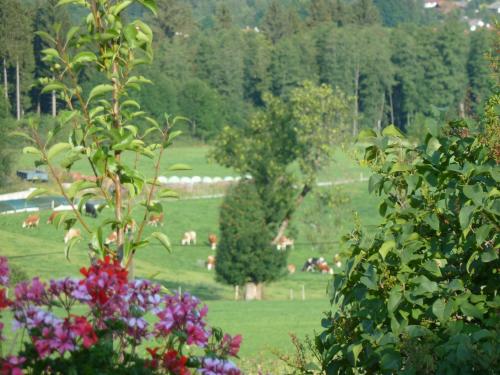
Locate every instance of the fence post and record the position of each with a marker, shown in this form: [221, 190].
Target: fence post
[179, 290]
[303, 292]
[236, 292]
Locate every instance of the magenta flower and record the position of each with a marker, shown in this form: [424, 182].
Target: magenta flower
[182, 314]
[231, 345]
[216, 366]
[12, 365]
[4, 271]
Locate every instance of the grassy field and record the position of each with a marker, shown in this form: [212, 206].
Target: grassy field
[265, 325]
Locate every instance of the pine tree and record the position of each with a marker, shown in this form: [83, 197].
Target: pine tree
[480, 82]
[244, 255]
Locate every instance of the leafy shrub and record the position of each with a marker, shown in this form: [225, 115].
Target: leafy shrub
[421, 296]
[105, 339]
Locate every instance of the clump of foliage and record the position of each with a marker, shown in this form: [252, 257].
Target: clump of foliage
[421, 296]
[245, 254]
[105, 335]
[300, 131]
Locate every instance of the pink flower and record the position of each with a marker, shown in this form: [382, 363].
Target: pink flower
[4, 271]
[182, 314]
[12, 365]
[231, 345]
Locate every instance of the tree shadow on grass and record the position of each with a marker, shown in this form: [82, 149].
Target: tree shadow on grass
[202, 291]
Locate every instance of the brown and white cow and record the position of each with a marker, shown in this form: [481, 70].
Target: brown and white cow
[189, 238]
[52, 217]
[212, 240]
[72, 233]
[31, 221]
[210, 263]
[284, 242]
[155, 220]
[291, 268]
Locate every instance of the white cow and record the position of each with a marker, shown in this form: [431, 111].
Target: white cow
[189, 238]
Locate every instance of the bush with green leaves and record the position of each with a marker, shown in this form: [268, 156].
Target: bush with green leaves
[245, 254]
[103, 122]
[420, 295]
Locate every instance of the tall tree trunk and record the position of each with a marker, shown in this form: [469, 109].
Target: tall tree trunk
[5, 81]
[54, 104]
[18, 92]
[379, 122]
[254, 291]
[356, 104]
[392, 107]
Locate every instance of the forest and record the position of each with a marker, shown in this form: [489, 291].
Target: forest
[397, 62]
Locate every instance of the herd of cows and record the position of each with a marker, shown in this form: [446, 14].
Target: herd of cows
[189, 238]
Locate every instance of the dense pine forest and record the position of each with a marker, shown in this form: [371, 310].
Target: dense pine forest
[399, 62]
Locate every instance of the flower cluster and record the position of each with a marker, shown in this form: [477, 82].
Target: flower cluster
[181, 314]
[64, 336]
[216, 366]
[106, 284]
[116, 313]
[12, 365]
[171, 361]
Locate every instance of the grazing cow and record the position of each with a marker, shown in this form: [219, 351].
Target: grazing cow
[317, 265]
[154, 220]
[212, 240]
[52, 217]
[189, 238]
[210, 263]
[284, 242]
[70, 234]
[112, 238]
[31, 221]
[91, 209]
[291, 268]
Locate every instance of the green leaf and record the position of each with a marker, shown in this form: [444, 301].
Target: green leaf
[99, 90]
[417, 331]
[390, 361]
[163, 239]
[366, 134]
[475, 193]
[355, 349]
[395, 296]
[179, 167]
[120, 7]
[150, 4]
[400, 167]
[57, 149]
[37, 192]
[392, 131]
[482, 233]
[84, 57]
[386, 247]
[471, 310]
[465, 216]
[432, 146]
[168, 193]
[21, 134]
[53, 86]
[71, 243]
[32, 151]
[442, 310]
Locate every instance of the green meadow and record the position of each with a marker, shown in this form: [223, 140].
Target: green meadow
[265, 325]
